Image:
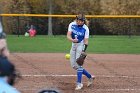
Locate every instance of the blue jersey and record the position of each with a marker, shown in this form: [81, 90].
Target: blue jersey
[78, 32]
[5, 87]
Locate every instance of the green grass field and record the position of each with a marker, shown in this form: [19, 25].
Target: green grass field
[97, 44]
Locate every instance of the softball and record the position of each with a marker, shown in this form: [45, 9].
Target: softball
[67, 56]
[26, 34]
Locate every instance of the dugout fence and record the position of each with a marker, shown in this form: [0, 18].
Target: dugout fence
[98, 24]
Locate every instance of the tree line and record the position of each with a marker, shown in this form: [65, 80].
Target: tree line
[58, 26]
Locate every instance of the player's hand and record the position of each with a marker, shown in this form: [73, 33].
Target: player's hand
[75, 40]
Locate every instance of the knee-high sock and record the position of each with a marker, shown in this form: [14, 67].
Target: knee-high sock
[79, 74]
[86, 73]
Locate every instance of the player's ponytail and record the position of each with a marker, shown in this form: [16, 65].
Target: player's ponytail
[87, 22]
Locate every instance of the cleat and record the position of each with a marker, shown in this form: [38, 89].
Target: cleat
[79, 86]
[90, 81]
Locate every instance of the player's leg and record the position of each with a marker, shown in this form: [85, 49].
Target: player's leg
[79, 78]
[73, 56]
[90, 78]
[80, 68]
[84, 71]
[87, 74]
[76, 66]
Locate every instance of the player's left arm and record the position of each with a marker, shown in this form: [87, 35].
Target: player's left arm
[86, 39]
[69, 37]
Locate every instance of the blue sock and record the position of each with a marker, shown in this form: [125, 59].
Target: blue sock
[79, 74]
[86, 73]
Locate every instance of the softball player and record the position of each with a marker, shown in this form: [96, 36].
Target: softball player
[8, 73]
[78, 34]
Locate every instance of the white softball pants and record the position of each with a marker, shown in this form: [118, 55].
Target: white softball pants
[75, 52]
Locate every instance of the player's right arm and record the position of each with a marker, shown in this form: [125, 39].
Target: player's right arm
[70, 38]
[69, 35]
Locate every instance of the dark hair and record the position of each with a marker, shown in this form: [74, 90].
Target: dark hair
[8, 69]
[81, 17]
